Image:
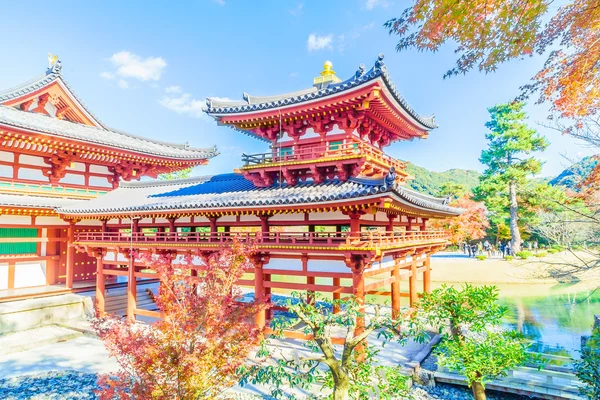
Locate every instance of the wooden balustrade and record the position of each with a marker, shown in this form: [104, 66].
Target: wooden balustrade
[326, 239]
[326, 151]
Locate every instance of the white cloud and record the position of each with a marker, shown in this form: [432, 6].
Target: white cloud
[184, 104]
[370, 4]
[173, 89]
[363, 28]
[293, 74]
[131, 65]
[107, 75]
[341, 45]
[123, 84]
[319, 42]
[298, 10]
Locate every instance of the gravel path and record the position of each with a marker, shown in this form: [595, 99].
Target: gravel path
[73, 385]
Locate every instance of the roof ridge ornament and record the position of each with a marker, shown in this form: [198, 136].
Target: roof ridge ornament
[379, 64]
[54, 64]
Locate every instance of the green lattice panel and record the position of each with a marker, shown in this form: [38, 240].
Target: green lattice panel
[18, 248]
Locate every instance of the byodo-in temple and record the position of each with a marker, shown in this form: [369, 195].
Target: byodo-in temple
[327, 210]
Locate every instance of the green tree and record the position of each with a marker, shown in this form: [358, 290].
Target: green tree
[510, 141]
[454, 190]
[181, 174]
[588, 367]
[350, 367]
[473, 343]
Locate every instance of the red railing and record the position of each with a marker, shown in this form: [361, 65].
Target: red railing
[314, 152]
[328, 239]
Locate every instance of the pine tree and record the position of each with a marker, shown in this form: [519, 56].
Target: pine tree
[508, 161]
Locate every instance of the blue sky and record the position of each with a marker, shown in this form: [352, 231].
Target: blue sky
[146, 67]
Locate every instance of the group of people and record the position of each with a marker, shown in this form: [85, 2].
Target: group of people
[486, 248]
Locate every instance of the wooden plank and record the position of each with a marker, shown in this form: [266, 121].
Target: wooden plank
[304, 286]
[147, 313]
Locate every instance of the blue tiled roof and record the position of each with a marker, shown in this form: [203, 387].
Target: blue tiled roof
[231, 191]
[224, 183]
[215, 107]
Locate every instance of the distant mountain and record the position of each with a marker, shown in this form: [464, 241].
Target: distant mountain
[575, 174]
[429, 182]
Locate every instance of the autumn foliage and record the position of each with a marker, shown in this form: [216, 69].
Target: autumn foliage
[470, 225]
[195, 350]
[488, 33]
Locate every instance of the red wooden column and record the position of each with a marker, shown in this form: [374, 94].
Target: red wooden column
[100, 286]
[427, 274]
[396, 288]
[70, 267]
[310, 280]
[336, 296]
[390, 226]
[131, 287]
[11, 275]
[259, 288]
[171, 225]
[213, 226]
[104, 226]
[412, 282]
[354, 223]
[424, 224]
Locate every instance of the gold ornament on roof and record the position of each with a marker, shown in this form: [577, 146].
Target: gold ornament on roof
[52, 59]
[327, 76]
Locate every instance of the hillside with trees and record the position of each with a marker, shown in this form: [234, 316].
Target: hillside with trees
[430, 182]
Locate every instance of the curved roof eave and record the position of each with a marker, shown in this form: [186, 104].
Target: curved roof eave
[217, 108]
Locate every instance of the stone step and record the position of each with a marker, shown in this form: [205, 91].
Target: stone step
[32, 338]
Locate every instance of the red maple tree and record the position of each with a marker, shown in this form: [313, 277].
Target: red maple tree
[470, 225]
[205, 334]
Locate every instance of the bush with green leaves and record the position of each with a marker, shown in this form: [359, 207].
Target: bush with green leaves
[509, 258]
[541, 254]
[553, 251]
[524, 254]
[349, 369]
[481, 257]
[474, 345]
[587, 368]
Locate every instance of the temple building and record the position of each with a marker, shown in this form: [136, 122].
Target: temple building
[54, 151]
[326, 207]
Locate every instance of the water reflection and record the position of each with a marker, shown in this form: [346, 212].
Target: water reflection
[555, 322]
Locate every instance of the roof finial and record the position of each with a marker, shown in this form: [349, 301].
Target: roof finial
[54, 65]
[327, 76]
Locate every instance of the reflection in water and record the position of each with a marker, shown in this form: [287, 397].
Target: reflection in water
[556, 322]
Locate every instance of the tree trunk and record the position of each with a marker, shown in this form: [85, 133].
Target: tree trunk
[478, 391]
[341, 385]
[515, 243]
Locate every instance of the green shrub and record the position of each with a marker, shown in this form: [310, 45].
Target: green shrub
[524, 254]
[481, 257]
[541, 254]
[509, 258]
[553, 251]
[557, 247]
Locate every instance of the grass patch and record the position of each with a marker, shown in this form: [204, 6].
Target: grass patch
[541, 254]
[481, 257]
[509, 258]
[524, 255]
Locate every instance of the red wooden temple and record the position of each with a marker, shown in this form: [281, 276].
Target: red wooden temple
[54, 152]
[326, 208]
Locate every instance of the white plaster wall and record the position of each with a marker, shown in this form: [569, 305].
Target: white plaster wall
[7, 156]
[287, 217]
[3, 276]
[226, 218]
[73, 179]
[32, 174]
[32, 160]
[99, 169]
[329, 215]
[44, 221]
[201, 220]
[99, 181]
[30, 274]
[251, 218]
[15, 219]
[77, 167]
[6, 171]
[183, 220]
